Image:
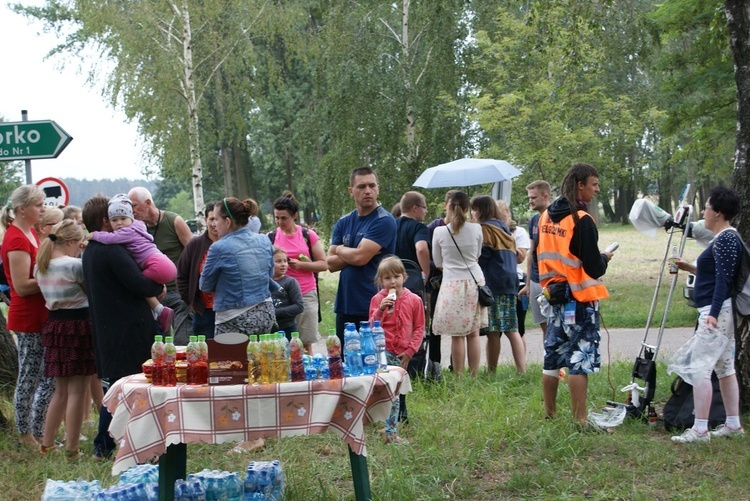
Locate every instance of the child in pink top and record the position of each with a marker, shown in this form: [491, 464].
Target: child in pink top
[134, 236]
[401, 314]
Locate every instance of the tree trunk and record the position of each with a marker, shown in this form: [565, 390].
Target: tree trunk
[8, 359]
[188, 84]
[738, 21]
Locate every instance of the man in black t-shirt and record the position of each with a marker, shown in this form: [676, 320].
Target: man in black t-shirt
[412, 236]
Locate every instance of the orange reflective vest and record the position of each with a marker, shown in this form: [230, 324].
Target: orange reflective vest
[558, 264]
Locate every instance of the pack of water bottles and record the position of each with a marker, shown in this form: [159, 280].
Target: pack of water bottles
[142, 473]
[218, 485]
[128, 492]
[264, 481]
[71, 490]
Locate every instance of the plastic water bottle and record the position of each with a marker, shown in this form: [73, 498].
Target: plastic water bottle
[203, 365]
[353, 350]
[266, 353]
[193, 357]
[378, 335]
[169, 377]
[234, 487]
[333, 346]
[157, 359]
[369, 350]
[296, 348]
[253, 360]
[281, 358]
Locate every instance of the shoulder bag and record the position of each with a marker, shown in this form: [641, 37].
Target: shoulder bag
[486, 298]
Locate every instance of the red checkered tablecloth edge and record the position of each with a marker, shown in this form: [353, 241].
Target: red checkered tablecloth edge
[147, 419]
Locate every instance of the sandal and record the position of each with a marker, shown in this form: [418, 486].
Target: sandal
[44, 449]
[73, 455]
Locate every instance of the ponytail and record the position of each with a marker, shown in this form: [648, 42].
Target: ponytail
[457, 208]
[62, 233]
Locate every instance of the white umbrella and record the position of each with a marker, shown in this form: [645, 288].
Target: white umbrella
[467, 172]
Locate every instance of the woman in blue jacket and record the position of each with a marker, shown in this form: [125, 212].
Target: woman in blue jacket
[498, 262]
[238, 269]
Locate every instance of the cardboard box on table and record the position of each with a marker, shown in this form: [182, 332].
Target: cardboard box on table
[227, 359]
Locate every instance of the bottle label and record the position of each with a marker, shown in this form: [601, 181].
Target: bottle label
[370, 359]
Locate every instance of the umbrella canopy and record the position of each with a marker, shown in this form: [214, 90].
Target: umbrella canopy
[467, 172]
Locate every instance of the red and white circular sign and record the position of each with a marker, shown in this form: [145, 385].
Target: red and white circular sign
[56, 191]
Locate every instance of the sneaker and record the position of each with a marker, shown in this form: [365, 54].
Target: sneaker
[725, 431]
[165, 319]
[691, 436]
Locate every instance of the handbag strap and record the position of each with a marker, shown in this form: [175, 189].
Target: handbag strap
[462, 256]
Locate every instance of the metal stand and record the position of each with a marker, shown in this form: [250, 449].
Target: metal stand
[644, 369]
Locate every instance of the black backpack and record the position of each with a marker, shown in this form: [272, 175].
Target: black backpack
[679, 411]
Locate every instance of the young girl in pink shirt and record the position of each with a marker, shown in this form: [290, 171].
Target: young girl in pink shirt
[401, 314]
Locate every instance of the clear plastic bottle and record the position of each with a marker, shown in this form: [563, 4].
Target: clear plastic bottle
[266, 353]
[353, 350]
[193, 358]
[234, 487]
[204, 347]
[673, 269]
[378, 335]
[169, 374]
[157, 360]
[203, 362]
[253, 360]
[278, 364]
[283, 367]
[333, 346]
[297, 366]
[369, 350]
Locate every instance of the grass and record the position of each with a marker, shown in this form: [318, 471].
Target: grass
[482, 439]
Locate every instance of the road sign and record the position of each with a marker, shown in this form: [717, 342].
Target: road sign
[31, 140]
[56, 191]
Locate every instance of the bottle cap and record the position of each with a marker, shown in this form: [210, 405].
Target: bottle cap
[201, 337]
[168, 339]
[295, 334]
[193, 339]
[158, 337]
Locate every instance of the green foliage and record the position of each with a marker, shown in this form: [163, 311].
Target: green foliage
[548, 97]
[11, 177]
[294, 95]
[182, 204]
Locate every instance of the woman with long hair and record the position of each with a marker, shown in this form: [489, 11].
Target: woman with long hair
[498, 262]
[27, 312]
[66, 336]
[306, 259]
[456, 248]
